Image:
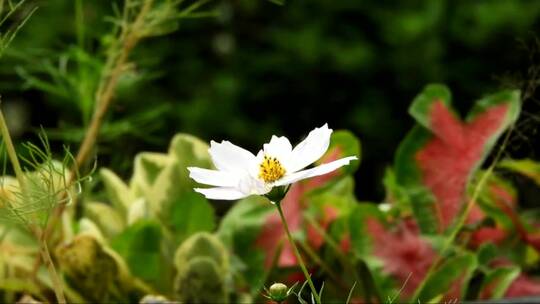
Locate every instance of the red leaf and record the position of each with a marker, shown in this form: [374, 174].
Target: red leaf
[523, 286]
[403, 252]
[448, 159]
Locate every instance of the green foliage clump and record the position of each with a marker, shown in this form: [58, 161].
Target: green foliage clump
[202, 263]
[93, 270]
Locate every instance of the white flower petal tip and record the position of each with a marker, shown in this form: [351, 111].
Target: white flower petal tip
[229, 157]
[316, 171]
[311, 148]
[221, 193]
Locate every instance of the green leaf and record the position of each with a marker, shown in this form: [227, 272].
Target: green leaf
[493, 196]
[117, 191]
[181, 210]
[497, 281]
[421, 104]
[239, 230]
[147, 167]
[456, 268]
[396, 195]
[140, 246]
[190, 214]
[190, 151]
[409, 177]
[526, 167]
[339, 196]
[360, 239]
[110, 222]
[486, 253]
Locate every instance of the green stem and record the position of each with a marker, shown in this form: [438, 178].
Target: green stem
[12, 154]
[297, 254]
[55, 278]
[11, 151]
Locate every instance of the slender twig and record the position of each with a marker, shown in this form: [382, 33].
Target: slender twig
[297, 254]
[11, 151]
[55, 278]
[105, 96]
[350, 293]
[104, 99]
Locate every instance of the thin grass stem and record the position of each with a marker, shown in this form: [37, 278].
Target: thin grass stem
[297, 254]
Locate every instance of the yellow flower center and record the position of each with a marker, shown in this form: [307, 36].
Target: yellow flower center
[270, 170]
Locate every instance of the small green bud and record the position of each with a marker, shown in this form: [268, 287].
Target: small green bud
[278, 292]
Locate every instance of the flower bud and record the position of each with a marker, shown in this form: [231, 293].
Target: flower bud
[278, 292]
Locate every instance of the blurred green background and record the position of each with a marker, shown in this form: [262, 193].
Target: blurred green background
[254, 68]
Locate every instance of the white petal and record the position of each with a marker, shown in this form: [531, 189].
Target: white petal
[229, 157]
[319, 170]
[278, 147]
[214, 177]
[251, 185]
[221, 193]
[310, 149]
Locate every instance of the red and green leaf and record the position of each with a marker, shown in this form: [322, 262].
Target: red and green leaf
[438, 157]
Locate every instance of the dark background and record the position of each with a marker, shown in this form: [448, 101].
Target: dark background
[257, 69]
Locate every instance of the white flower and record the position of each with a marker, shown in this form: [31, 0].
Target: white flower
[240, 173]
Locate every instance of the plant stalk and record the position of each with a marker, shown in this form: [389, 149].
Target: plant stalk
[104, 98]
[55, 278]
[297, 254]
[11, 151]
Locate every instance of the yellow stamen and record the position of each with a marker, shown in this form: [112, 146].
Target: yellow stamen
[271, 169]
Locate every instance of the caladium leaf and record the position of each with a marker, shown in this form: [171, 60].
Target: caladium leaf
[437, 158]
[405, 255]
